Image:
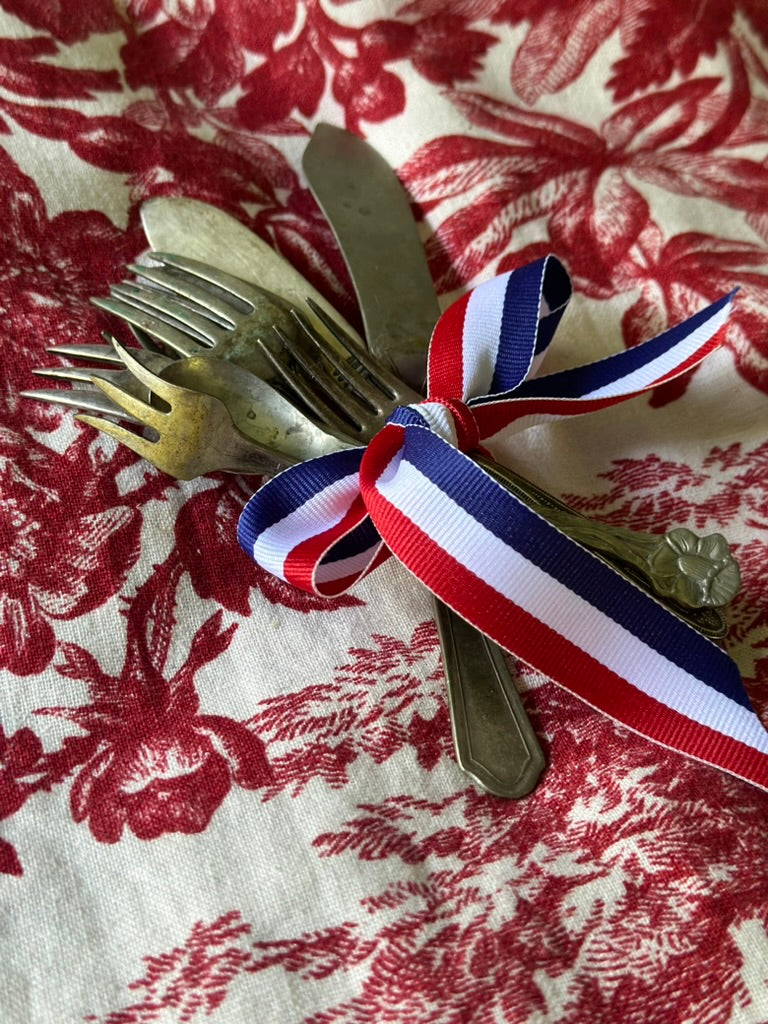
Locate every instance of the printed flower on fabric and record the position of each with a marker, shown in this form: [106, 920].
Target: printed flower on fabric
[206, 542]
[658, 39]
[669, 278]
[362, 64]
[49, 268]
[154, 763]
[66, 21]
[202, 47]
[20, 754]
[52, 574]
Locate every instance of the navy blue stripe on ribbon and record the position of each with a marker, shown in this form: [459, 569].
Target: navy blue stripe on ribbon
[540, 543]
[278, 500]
[581, 381]
[361, 539]
[519, 326]
[556, 287]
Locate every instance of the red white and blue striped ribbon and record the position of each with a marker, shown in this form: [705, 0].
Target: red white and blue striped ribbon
[414, 493]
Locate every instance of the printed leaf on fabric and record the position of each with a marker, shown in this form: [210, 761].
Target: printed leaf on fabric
[66, 21]
[534, 165]
[390, 697]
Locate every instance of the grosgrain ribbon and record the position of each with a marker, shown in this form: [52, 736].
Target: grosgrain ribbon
[414, 493]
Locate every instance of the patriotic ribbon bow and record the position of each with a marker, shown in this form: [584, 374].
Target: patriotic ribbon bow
[414, 493]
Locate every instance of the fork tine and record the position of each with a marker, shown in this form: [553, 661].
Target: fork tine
[135, 407]
[247, 293]
[181, 283]
[174, 339]
[311, 396]
[78, 373]
[116, 374]
[151, 380]
[86, 399]
[89, 351]
[340, 395]
[168, 309]
[379, 400]
[390, 385]
[144, 340]
[141, 445]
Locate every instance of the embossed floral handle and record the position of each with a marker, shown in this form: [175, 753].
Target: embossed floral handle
[697, 572]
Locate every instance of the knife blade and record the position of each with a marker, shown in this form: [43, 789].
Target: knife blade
[372, 220]
[370, 215]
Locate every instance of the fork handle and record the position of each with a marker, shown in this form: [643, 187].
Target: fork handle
[494, 740]
[613, 544]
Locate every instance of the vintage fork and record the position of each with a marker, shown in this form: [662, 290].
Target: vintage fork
[195, 431]
[194, 309]
[375, 392]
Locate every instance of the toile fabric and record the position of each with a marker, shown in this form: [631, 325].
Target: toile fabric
[226, 798]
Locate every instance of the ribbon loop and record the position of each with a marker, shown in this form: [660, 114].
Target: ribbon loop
[414, 492]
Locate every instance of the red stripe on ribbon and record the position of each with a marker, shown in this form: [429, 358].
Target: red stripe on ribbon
[446, 362]
[302, 561]
[547, 651]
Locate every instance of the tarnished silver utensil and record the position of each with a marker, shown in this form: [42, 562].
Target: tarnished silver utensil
[369, 212]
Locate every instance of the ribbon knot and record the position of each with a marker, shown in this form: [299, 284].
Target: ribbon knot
[414, 493]
[461, 430]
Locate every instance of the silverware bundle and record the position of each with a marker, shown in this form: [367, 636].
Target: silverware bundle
[247, 378]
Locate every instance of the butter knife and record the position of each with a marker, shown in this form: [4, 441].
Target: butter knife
[371, 217]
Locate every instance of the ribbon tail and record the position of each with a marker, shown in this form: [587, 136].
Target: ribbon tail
[595, 386]
[555, 605]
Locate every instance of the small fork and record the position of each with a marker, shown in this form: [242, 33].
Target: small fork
[194, 435]
[193, 309]
[195, 432]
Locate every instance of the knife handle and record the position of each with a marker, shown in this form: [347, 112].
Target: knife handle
[494, 740]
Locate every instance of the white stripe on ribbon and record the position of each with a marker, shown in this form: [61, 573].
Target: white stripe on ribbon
[328, 506]
[440, 420]
[481, 335]
[665, 363]
[548, 600]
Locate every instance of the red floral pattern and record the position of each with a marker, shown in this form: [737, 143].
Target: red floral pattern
[49, 576]
[152, 761]
[166, 705]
